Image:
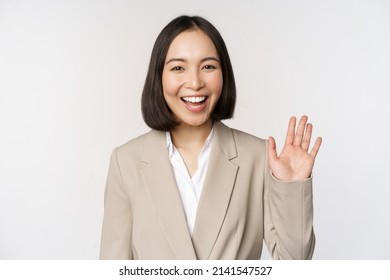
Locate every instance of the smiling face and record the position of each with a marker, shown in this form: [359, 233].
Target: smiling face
[192, 78]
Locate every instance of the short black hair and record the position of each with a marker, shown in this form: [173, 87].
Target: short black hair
[155, 111]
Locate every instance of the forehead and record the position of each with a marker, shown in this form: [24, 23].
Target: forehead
[192, 43]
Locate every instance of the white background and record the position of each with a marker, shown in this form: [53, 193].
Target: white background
[71, 76]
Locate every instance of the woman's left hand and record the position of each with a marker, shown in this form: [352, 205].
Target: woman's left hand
[294, 162]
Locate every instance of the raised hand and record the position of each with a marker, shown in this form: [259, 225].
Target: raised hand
[294, 162]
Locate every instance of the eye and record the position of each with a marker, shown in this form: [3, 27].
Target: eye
[209, 67]
[177, 68]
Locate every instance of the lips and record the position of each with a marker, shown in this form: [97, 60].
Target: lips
[195, 103]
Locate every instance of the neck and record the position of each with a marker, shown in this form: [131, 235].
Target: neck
[187, 136]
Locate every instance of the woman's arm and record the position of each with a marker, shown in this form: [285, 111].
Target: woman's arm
[117, 222]
[288, 198]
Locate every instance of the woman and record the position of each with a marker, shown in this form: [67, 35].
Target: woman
[193, 188]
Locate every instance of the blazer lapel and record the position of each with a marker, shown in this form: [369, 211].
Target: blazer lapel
[161, 183]
[216, 193]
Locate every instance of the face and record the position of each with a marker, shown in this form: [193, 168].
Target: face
[192, 78]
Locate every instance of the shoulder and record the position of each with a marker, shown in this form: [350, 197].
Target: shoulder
[250, 148]
[243, 139]
[135, 148]
[134, 144]
[240, 145]
[246, 139]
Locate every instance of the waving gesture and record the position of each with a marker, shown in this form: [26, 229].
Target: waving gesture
[294, 162]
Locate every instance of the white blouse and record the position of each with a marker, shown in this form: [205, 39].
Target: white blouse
[190, 189]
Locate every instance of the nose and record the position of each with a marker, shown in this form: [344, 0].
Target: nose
[195, 80]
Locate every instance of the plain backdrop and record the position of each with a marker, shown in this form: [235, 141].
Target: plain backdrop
[71, 76]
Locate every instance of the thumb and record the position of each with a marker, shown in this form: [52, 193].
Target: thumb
[272, 154]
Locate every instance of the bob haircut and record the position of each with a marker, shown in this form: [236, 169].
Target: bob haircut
[155, 111]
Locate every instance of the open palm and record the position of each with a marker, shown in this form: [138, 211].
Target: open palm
[295, 162]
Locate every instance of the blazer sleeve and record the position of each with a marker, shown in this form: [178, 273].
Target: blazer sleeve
[117, 222]
[288, 218]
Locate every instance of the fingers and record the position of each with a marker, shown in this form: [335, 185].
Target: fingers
[291, 131]
[306, 140]
[300, 131]
[316, 147]
[302, 136]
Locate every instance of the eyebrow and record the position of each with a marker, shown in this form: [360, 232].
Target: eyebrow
[202, 60]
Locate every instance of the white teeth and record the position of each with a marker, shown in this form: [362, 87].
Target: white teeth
[194, 99]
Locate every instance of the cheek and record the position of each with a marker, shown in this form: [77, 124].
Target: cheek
[169, 85]
[216, 83]
[165, 83]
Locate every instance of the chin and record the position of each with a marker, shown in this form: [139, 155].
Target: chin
[195, 122]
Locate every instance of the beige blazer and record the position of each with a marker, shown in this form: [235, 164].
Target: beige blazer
[241, 204]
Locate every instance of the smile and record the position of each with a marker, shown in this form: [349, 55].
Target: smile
[195, 103]
[194, 99]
